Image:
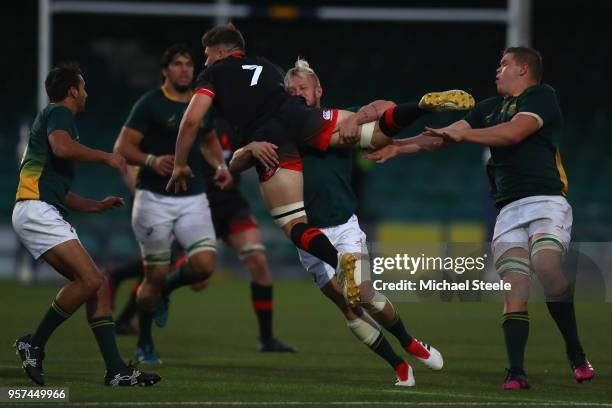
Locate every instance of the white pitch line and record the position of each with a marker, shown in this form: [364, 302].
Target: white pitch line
[440, 394]
[534, 403]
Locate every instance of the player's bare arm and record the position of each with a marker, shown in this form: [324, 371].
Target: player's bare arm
[504, 134]
[65, 147]
[127, 145]
[195, 112]
[416, 144]
[245, 157]
[349, 130]
[213, 153]
[75, 202]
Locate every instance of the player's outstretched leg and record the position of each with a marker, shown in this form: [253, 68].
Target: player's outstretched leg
[375, 135]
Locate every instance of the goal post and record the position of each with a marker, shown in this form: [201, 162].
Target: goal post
[516, 17]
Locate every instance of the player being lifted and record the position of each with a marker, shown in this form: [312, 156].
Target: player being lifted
[341, 226]
[147, 140]
[43, 200]
[249, 93]
[523, 127]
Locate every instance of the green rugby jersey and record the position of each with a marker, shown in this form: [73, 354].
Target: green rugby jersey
[328, 194]
[533, 166]
[43, 176]
[157, 116]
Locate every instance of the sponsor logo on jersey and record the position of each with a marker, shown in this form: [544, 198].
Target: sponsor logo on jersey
[327, 114]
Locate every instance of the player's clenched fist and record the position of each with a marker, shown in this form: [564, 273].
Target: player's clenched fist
[163, 165]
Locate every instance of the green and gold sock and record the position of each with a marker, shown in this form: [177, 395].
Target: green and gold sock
[104, 330]
[52, 319]
[516, 332]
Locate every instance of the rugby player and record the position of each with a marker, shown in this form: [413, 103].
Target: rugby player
[237, 227]
[42, 202]
[523, 127]
[249, 93]
[327, 177]
[147, 139]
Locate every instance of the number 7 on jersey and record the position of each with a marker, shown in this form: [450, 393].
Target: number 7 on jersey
[256, 74]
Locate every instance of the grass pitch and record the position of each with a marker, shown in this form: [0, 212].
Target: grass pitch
[210, 358]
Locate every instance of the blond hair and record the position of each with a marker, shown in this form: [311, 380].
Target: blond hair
[301, 67]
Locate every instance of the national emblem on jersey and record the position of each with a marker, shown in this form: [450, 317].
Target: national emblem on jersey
[327, 114]
[512, 109]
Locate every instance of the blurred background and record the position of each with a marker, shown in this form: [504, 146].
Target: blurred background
[360, 54]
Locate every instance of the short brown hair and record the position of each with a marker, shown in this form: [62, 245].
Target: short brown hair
[226, 34]
[59, 81]
[530, 57]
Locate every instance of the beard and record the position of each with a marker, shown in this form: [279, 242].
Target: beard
[182, 88]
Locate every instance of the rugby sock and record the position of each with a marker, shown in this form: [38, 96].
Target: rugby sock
[145, 322]
[516, 331]
[179, 277]
[52, 319]
[564, 315]
[132, 269]
[395, 119]
[131, 308]
[315, 242]
[104, 330]
[261, 297]
[396, 327]
[382, 347]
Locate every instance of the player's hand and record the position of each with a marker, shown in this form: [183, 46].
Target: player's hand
[383, 154]
[178, 180]
[223, 178]
[349, 131]
[110, 202]
[265, 153]
[449, 134]
[116, 161]
[163, 165]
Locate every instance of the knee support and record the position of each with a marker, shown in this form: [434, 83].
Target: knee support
[284, 214]
[367, 332]
[549, 242]
[367, 133]
[249, 249]
[205, 244]
[513, 264]
[376, 304]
